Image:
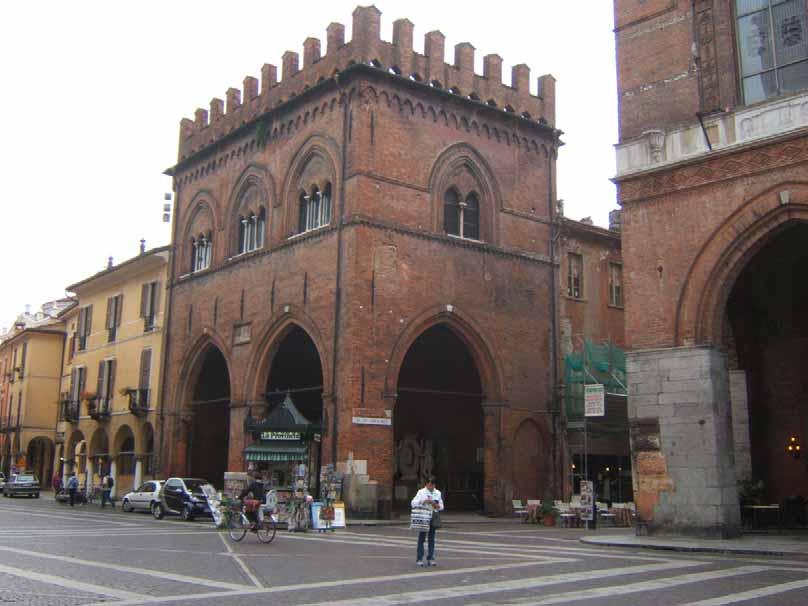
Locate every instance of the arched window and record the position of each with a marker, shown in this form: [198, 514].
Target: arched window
[201, 252]
[315, 209]
[251, 221]
[461, 217]
[451, 212]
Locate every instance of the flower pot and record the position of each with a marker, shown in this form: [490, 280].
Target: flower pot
[548, 520]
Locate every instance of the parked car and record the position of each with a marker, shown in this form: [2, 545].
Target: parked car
[21, 484]
[2, 479]
[183, 497]
[143, 497]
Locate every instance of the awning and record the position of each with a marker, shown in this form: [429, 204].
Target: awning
[275, 452]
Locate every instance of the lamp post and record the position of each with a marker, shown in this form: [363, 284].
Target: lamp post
[793, 447]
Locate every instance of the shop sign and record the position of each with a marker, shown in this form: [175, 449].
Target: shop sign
[594, 400]
[280, 435]
[372, 421]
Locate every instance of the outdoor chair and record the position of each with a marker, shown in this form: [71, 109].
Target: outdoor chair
[519, 509]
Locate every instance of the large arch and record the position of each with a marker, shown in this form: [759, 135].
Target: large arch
[39, 455]
[256, 176]
[123, 455]
[706, 288]
[481, 349]
[438, 420]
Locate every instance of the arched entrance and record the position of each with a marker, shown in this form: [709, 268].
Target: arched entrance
[209, 437]
[98, 458]
[124, 459]
[75, 455]
[296, 369]
[438, 421]
[39, 459]
[146, 449]
[766, 337]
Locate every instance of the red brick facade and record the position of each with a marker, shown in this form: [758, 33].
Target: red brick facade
[381, 271]
[708, 183]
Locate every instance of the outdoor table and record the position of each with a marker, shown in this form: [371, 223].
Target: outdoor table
[759, 510]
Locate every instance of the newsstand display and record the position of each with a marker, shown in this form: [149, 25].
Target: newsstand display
[286, 447]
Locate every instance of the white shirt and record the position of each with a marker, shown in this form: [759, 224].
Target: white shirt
[423, 495]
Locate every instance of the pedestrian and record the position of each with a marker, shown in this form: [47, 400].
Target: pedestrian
[107, 482]
[72, 487]
[428, 496]
[56, 482]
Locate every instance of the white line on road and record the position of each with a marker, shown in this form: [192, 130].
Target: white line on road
[79, 517]
[329, 584]
[70, 584]
[644, 586]
[754, 594]
[131, 569]
[241, 563]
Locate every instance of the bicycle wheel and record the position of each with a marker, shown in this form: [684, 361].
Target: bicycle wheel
[238, 527]
[266, 530]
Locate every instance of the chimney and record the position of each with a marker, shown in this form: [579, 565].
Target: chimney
[311, 51]
[269, 78]
[616, 220]
[290, 64]
[335, 37]
[109, 262]
[492, 68]
[142, 246]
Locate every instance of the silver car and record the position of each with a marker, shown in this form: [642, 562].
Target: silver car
[143, 497]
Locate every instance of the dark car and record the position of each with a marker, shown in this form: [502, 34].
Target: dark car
[182, 496]
[21, 484]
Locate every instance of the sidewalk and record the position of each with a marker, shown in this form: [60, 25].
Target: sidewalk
[748, 544]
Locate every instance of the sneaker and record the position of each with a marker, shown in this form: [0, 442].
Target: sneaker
[420, 563]
[431, 563]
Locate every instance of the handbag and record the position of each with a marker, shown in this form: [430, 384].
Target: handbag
[420, 518]
[436, 521]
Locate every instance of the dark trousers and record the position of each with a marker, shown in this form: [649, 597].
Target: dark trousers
[72, 493]
[421, 537]
[106, 498]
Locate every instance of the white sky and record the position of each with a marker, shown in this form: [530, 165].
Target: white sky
[92, 92]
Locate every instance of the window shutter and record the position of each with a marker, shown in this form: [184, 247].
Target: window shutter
[112, 364]
[88, 323]
[99, 392]
[71, 347]
[145, 368]
[73, 384]
[110, 313]
[82, 316]
[118, 309]
[82, 378]
[156, 298]
[144, 300]
[22, 358]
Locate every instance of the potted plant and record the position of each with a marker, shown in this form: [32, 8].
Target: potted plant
[548, 513]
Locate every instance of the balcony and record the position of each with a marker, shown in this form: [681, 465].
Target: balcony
[139, 402]
[98, 409]
[70, 411]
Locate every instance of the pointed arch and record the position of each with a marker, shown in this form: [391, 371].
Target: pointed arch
[481, 348]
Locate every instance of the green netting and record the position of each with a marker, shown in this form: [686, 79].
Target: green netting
[604, 363]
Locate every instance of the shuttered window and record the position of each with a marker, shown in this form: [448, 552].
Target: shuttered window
[85, 325]
[143, 379]
[113, 320]
[575, 276]
[149, 304]
[106, 384]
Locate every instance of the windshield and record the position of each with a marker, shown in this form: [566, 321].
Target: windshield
[26, 479]
[195, 485]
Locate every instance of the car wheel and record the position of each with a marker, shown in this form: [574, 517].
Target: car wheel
[187, 514]
[126, 506]
[157, 511]
[36, 496]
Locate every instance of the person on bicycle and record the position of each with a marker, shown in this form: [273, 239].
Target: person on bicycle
[254, 490]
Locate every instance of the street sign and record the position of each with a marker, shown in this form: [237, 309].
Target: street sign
[594, 400]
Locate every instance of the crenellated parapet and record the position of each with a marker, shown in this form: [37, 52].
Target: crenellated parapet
[398, 58]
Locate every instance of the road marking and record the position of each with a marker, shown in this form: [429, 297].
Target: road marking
[655, 585]
[131, 569]
[70, 584]
[241, 563]
[329, 584]
[78, 516]
[753, 594]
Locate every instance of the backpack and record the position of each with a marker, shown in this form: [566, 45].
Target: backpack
[110, 482]
[73, 482]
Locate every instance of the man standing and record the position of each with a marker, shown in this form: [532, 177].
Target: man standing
[72, 487]
[107, 482]
[430, 497]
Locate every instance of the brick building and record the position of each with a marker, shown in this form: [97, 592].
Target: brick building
[713, 182]
[371, 234]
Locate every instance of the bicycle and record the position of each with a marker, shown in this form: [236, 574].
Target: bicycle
[238, 525]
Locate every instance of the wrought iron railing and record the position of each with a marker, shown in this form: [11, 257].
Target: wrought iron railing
[139, 402]
[98, 408]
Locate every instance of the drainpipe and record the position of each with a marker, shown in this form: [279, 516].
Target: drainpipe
[554, 234]
[338, 289]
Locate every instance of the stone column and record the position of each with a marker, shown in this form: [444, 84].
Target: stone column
[138, 471]
[113, 471]
[740, 424]
[682, 446]
[88, 474]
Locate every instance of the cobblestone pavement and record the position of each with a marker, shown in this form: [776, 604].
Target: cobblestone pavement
[56, 556]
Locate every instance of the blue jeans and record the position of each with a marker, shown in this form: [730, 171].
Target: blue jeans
[106, 499]
[421, 537]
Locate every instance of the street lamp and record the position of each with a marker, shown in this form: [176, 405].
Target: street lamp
[793, 447]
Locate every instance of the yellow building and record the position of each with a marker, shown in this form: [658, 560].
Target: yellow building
[31, 363]
[111, 380]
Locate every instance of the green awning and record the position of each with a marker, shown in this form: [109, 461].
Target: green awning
[275, 452]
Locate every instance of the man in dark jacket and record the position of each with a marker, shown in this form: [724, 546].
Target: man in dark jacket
[254, 490]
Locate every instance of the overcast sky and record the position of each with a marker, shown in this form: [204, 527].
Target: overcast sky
[92, 92]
